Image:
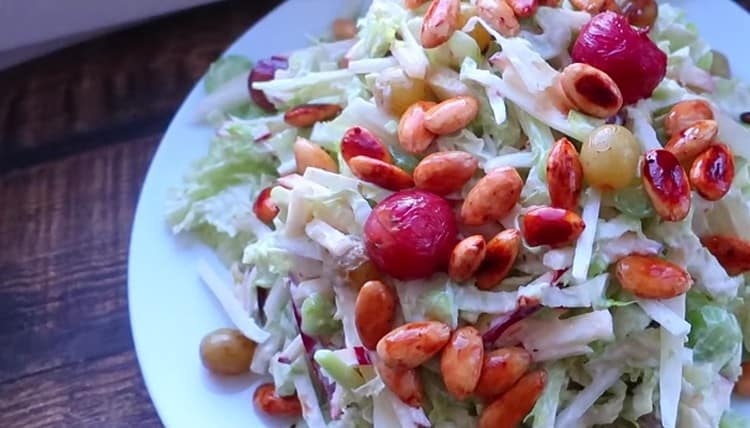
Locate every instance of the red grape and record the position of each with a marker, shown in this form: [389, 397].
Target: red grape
[629, 57]
[410, 234]
[264, 70]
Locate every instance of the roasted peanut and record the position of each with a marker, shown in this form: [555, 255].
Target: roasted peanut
[499, 15]
[264, 208]
[564, 175]
[590, 6]
[461, 362]
[523, 8]
[558, 97]
[591, 90]
[308, 154]
[344, 29]
[555, 227]
[509, 410]
[380, 173]
[685, 114]
[440, 21]
[731, 252]
[650, 277]
[358, 276]
[550, 3]
[306, 115]
[742, 387]
[359, 141]
[405, 383]
[412, 344]
[666, 184]
[641, 13]
[466, 258]
[374, 311]
[501, 370]
[712, 172]
[451, 115]
[445, 172]
[502, 251]
[413, 136]
[492, 197]
[612, 6]
[270, 403]
[413, 4]
[692, 141]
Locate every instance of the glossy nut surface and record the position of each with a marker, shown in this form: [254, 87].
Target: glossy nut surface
[413, 136]
[692, 141]
[412, 344]
[439, 23]
[406, 384]
[591, 90]
[500, 16]
[732, 253]
[310, 155]
[461, 362]
[380, 173]
[466, 258]
[445, 172]
[555, 227]
[564, 175]
[712, 172]
[686, 114]
[306, 115]
[264, 208]
[502, 251]
[492, 197]
[374, 312]
[501, 369]
[509, 410]
[650, 277]
[666, 184]
[359, 141]
[590, 6]
[266, 399]
[451, 115]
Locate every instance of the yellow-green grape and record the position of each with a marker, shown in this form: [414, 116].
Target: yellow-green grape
[227, 351]
[394, 91]
[610, 157]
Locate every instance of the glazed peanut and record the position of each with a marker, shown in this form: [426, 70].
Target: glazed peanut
[590, 6]
[692, 141]
[445, 172]
[559, 99]
[440, 21]
[359, 141]
[523, 8]
[591, 90]
[731, 252]
[466, 258]
[413, 136]
[374, 311]
[380, 173]
[412, 344]
[550, 3]
[461, 362]
[266, 399]
[451, 115]
[344, 29]
[306, 115]
[404, 383]
[307, 154]
[509, 410]
[555, 227]
[492, 197]
[712, 172]
[650, 277]
[686, 114]
[564, 175]
[264, 208]
[666, 184]
[413, 4]
[501, 254]
[742, 387]
[501, 370]
[499, 15]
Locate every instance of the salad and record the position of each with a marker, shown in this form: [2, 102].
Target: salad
[487, 213]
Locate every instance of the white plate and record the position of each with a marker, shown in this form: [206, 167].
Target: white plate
[170, 310]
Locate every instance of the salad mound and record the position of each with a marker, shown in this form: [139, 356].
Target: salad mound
[487, 213]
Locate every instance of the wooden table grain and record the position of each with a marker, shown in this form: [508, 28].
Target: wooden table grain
[78, 129]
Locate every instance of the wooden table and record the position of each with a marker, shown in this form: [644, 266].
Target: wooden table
[77, 131]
